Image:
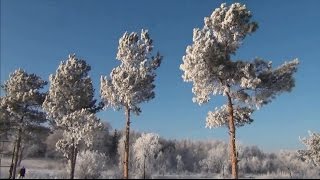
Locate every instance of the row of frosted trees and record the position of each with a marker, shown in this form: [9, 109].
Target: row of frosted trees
[69, 105]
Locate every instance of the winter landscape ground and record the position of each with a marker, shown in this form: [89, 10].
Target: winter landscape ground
[44, 168]
[177, 159]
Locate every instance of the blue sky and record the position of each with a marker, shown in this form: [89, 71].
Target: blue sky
[37, 34]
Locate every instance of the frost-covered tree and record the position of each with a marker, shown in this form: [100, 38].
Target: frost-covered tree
[90, 164]
[22, 106]
[246, 85]
[161, 163]
[70, 90]
[292, 165]
[145, 148]
[312, 153]
[180, 163]
[71, 106]
[132, 82]
[78, 129]
[215, 161]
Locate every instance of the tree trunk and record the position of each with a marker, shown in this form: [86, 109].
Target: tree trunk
[126, 146]
[223, 171]
[12, 160]
[16, 156]
[232, 133]
[144, 167]
[21, 155]
[75, 160]
[72, 160]
[71, 163]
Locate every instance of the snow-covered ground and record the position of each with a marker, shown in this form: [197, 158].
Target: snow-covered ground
[55, 169]
[37, 168]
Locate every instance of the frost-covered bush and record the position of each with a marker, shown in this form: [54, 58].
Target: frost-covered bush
[90, 164]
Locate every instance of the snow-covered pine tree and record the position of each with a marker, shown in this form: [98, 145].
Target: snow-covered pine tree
[312, 153]
[71, 106]
[246, 85]
[132, 82]
[22, 106]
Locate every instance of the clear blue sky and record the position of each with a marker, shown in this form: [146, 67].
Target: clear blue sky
[37, 34]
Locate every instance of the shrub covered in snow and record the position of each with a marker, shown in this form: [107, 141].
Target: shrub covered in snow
[90, 164]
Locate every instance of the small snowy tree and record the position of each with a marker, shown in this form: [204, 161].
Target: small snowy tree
[161, 163]
[180, 163]
[70, 105]
[22, 106]
[90, 164]
[132, 82]
[215, 161]
[145, 148]
[291, 164]
[312, 153]
[79, 128]
[246, 85]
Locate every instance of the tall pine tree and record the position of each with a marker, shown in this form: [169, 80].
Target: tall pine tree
[70, 104]
[22, 106]
[132, 82]
[246, 85]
